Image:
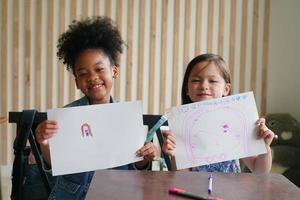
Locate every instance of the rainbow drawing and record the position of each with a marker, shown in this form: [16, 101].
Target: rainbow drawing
[86, 130]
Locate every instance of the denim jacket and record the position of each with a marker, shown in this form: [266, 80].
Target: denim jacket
[230, 166]
[75, 186]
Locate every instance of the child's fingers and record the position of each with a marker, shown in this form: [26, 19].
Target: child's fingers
[45, 133]
[147, 146]
[266, 134]
[261, 121]
[169, 136]
[171, 140]
[47, 125]
[42, 138]
[169, 152]
[151, 154]
[168, 149]
[170, 144]
[262, 128]
[146, 149]
[45, 130]
[166, 133]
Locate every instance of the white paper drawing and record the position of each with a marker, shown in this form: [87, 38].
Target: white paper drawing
[216, 130]
[96, 137]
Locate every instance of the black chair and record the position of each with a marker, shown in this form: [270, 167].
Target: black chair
[27, 122]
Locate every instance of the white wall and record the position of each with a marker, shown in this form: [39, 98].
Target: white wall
[284, 58]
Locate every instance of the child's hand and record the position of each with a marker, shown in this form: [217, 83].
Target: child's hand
[45, 130]
[169, 143]
[149, 151]
[264, 132]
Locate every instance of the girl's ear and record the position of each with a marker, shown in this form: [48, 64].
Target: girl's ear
[76, 83]
[187, 91]
[227, 89]
[115, 71]
[75, 78]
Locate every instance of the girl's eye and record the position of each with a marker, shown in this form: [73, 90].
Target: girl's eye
[214, 81]
[99, 69]
[195, 81]
[81, 74]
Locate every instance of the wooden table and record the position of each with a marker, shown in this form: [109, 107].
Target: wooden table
[130, 185]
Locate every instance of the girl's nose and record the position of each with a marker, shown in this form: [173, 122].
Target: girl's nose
[204, 85]
[93, 77]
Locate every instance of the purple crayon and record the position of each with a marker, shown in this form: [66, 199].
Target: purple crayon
[210, 180]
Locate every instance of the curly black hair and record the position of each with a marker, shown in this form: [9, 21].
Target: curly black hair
[92, 33]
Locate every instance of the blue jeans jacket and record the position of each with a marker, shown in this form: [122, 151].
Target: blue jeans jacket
[33, 185]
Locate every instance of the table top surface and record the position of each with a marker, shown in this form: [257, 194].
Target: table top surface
[120, 184]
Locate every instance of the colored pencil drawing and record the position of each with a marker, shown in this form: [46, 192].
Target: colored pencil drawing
[215, 130]
[226, 134]
[86, 130]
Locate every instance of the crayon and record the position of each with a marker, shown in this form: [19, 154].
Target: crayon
[183, 193]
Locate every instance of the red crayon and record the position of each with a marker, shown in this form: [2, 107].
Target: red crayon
[183, 193]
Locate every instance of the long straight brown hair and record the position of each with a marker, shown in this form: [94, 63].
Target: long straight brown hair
[209, 57]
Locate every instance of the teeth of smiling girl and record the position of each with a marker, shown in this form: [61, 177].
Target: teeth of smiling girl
[96, 86]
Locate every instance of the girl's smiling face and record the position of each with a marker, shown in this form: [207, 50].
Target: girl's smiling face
[94, 75]
[206, 82]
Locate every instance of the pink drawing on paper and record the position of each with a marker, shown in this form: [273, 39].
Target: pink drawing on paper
[225, 128]
[86, 130]
[227, 137]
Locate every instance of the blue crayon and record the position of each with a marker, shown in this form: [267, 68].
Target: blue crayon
[158, 124]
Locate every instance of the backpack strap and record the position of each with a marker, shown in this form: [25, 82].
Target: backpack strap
[39, 160]
[24, 132]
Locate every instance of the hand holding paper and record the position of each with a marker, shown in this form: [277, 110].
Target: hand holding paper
[216, 130]
[96, 137]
